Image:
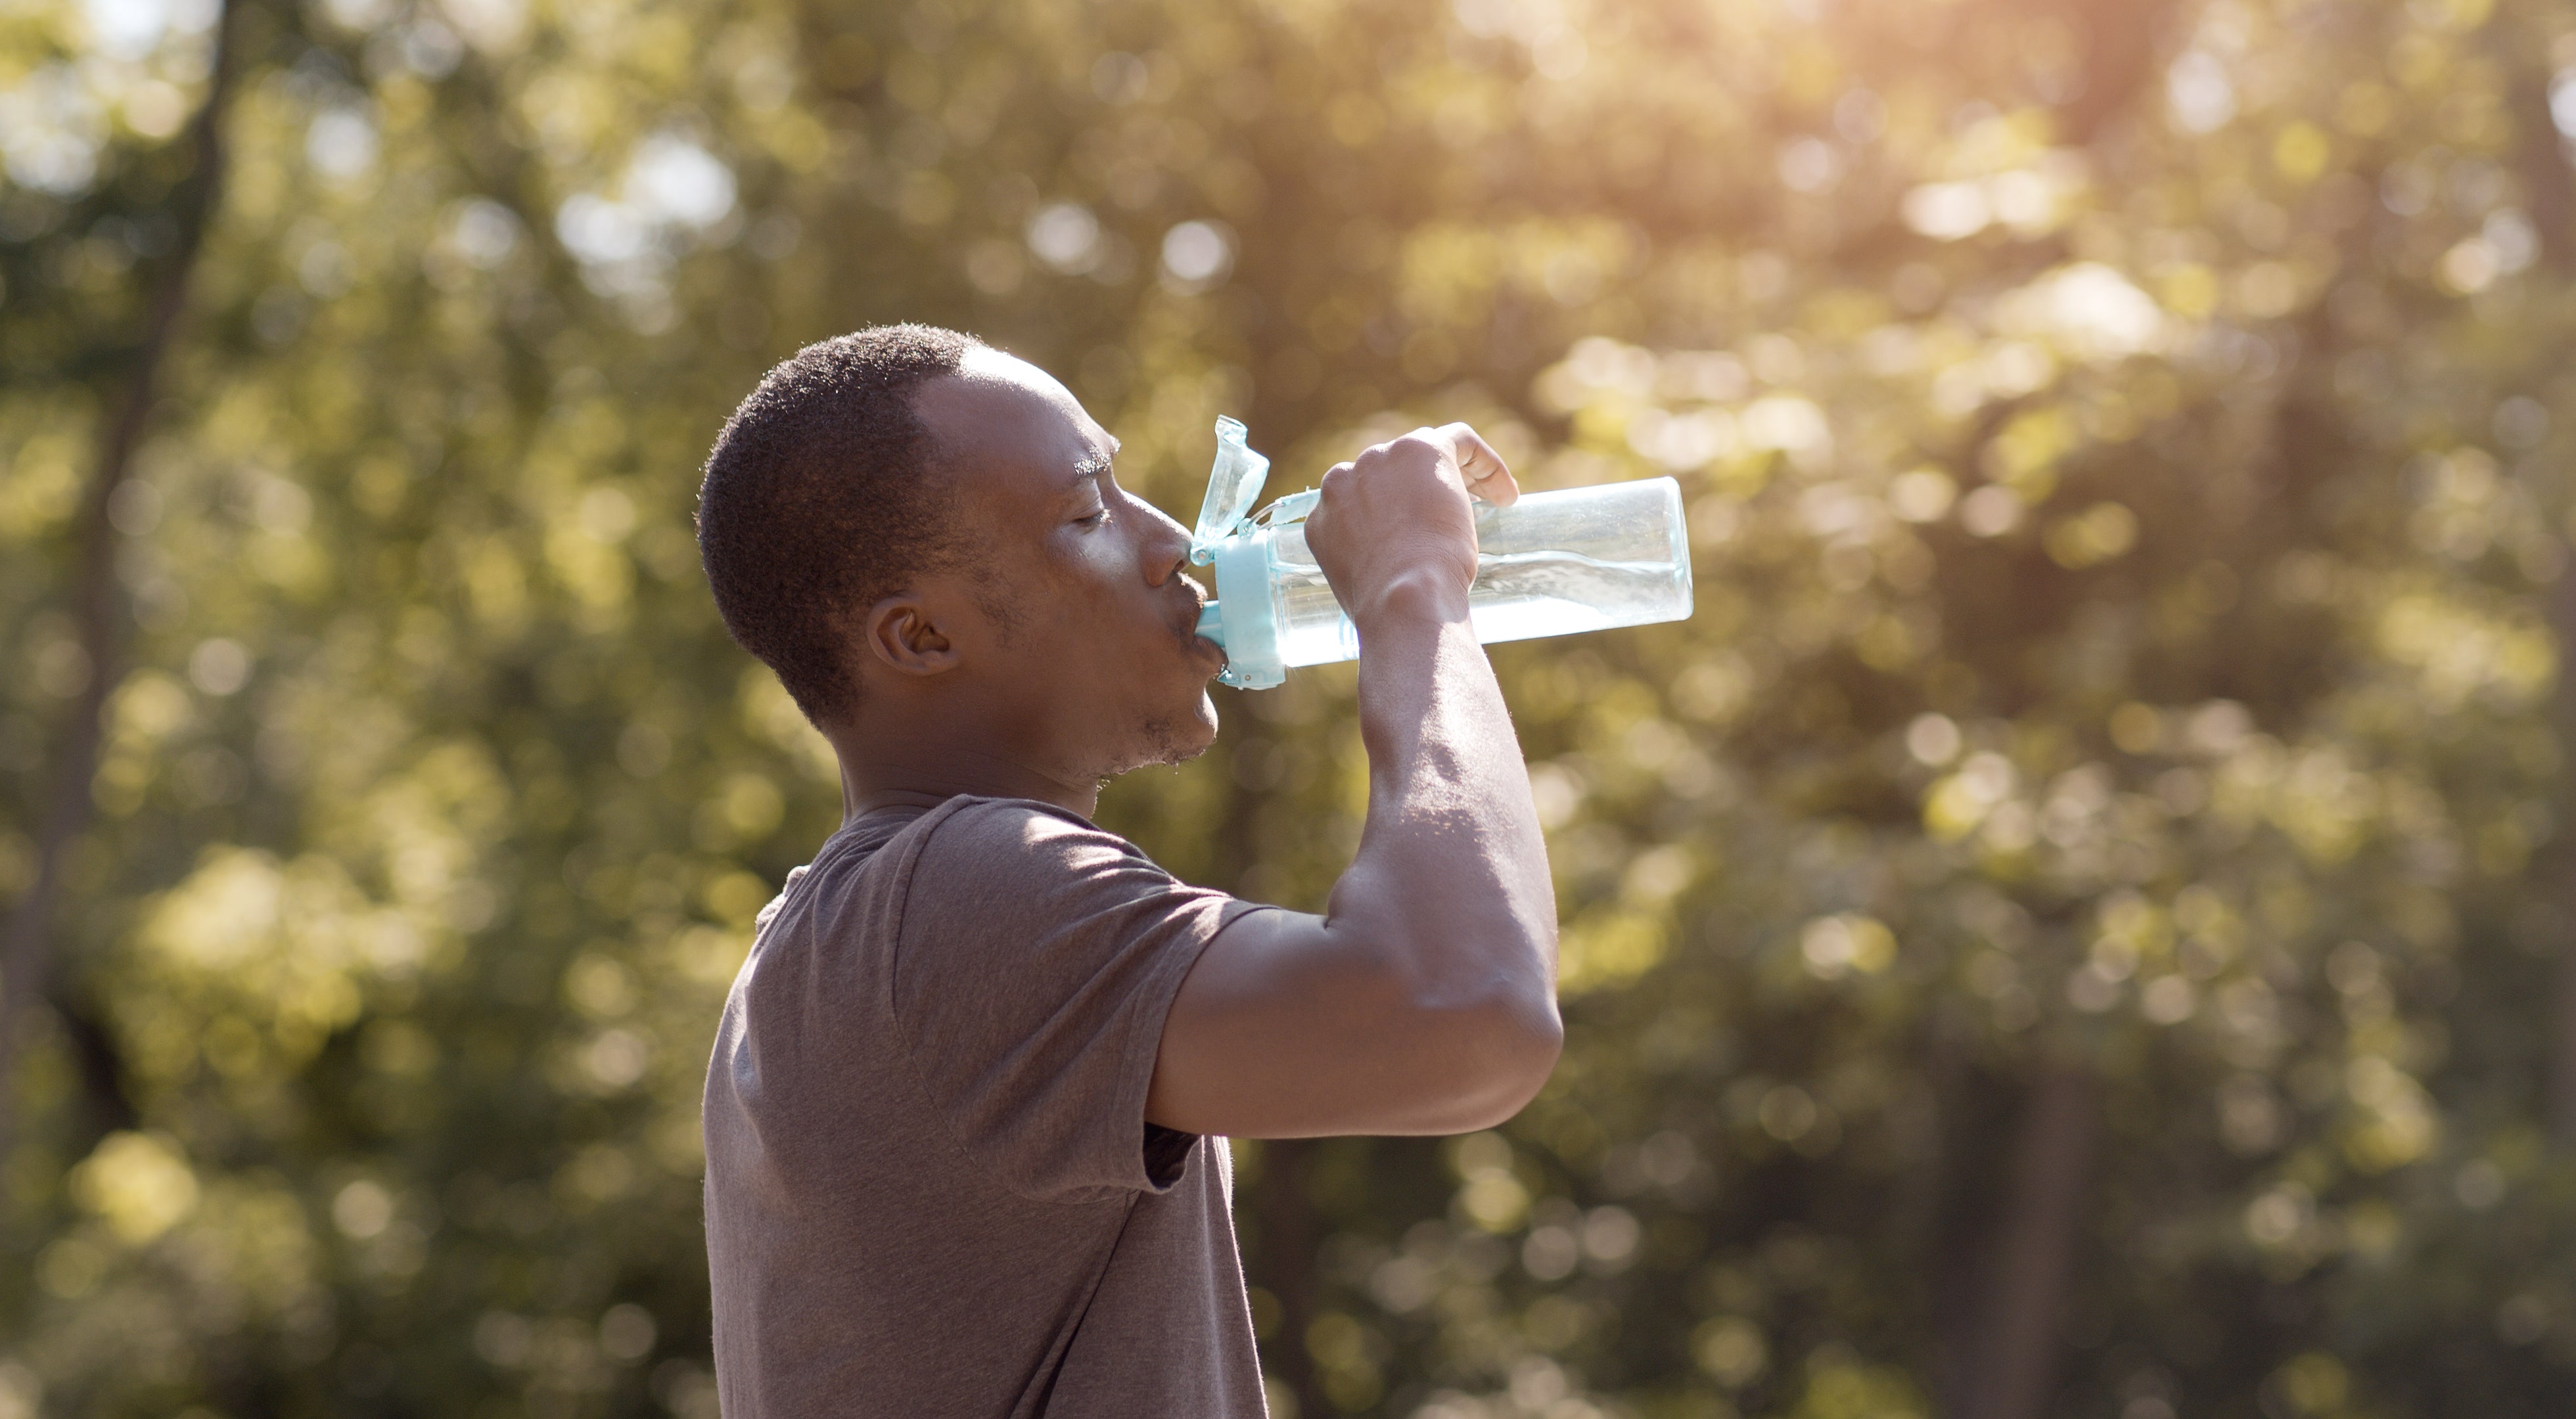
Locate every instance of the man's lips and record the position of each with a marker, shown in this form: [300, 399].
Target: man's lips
[1199, 645]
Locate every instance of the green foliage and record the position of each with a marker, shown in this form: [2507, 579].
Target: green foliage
[2123, 445]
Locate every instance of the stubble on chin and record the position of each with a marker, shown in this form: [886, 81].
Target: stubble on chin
[1176, 740]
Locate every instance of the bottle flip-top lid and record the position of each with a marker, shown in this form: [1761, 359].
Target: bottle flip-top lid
[1234, 484]
[1240, 619]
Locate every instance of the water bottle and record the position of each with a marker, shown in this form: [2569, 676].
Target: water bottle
[1579, 559]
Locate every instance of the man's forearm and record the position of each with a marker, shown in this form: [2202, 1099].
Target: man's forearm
[1451, 877]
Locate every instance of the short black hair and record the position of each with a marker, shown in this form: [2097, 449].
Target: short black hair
[822, 497]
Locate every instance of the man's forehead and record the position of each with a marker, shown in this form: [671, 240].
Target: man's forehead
[983, 363]
[1002, 419]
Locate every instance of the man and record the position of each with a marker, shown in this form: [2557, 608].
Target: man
[966, 1118]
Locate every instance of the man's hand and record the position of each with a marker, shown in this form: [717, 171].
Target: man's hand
[1394, 525]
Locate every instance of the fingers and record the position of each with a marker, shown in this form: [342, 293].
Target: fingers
[1483, 469]
[1480, 469]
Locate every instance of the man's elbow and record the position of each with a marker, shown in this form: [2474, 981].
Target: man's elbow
[1514, 1054]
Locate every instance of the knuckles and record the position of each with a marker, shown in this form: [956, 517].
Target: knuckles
[1402, 468]
[1417, 454]
[1418, 448]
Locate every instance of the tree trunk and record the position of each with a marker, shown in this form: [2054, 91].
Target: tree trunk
[2549, 187]
[1286, 1266]
[1282, 1261]
[2014, 1370]
[26, 945]
[1964, 1217]
[2558, 866]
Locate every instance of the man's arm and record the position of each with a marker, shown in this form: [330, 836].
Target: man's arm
[1424, 1000]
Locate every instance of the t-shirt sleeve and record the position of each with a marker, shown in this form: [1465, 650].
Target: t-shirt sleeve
[1036, 960]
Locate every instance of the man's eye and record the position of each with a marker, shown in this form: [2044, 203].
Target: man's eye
[1095, 517]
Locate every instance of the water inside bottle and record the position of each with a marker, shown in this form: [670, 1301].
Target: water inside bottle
[1517, 595]
[1552, 592]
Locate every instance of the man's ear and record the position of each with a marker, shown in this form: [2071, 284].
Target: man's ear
[901, 636]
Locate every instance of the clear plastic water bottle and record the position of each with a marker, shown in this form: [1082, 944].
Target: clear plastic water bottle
[1579, 559]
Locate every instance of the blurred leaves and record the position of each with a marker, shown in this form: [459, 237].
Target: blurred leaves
[2124, 452]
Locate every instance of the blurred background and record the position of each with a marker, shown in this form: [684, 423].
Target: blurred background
[2076, 925]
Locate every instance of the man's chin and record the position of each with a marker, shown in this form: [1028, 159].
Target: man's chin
[1182, 738]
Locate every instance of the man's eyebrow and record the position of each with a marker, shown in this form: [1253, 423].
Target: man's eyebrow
[1085, 471]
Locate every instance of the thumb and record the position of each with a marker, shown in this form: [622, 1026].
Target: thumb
[1482, 469]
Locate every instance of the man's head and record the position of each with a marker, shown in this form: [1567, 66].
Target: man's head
[923, 535]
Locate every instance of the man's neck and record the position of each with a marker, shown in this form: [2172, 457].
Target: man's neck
[883, 770]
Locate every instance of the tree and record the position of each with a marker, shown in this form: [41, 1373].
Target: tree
[2068, 927]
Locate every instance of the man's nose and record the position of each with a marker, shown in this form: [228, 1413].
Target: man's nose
[1166, 546]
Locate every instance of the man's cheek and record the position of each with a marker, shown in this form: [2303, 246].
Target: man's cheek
[1085, 578]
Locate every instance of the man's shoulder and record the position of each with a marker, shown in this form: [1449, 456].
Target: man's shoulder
[1018, 865]
[972, 813]
[962, 824]
[1000, 833]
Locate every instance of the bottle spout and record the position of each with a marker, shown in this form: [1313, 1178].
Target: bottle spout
[1212, 623]
[1234, 484]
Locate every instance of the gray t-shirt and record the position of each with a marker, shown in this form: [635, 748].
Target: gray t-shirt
[931, 1189]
